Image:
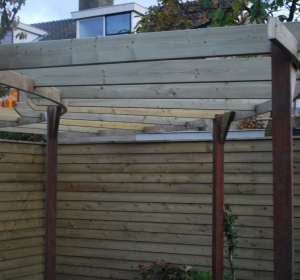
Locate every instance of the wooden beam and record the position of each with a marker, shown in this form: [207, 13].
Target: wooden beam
[8, 114]
[263, 107]
[102, 124]
[168, 128]
[127, 118]
[140, 47]
[199, 104]
[165, 72]
[25, 110]
[218, 200]
[247, 90]
[22, 121]
[68, 135]
[117, 132]
[279, 35]
[282, 165]
[124, 138]
[184, 113]
[225, 124]
[51, 192]
[18, 81]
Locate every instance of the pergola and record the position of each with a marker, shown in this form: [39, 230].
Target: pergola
[113, 88]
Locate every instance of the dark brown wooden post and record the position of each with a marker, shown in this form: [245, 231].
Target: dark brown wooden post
[218, 200]
[51, 191]
[282, 165]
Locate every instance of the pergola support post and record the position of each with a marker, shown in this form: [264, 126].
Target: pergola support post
[51, 192]
[218, 200]
[282, 164]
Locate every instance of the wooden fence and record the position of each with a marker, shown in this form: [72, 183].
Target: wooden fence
[21, 211]
[123, 204]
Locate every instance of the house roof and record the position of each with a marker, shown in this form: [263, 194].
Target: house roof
[57, 30]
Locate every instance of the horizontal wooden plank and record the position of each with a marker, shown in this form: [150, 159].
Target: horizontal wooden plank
[169, 167]
[165, 177]
[171, 158]
[174, 243]
[15, 147]
[22, 234]
[7, 114]
[133, 265]
[29, 177]
[197, 188]
[163, 72]
[126, 118]
[38, 276]
[21, 186]
[22, 271]
[21, 196]
[199, 104]
[261, 90]
[189, 208]
[17, 263]
[90, 271]
[147, 112]
[21, 205]
[21, 243]
[261, 145]
[23, 252]
[174, 228]
[250, 39]
[162, 197]
[104, 124]
[21, 215]
[21, 224]
[21, 167]
[247, 221]
[22, 158]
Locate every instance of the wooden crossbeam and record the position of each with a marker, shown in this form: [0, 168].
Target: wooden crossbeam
[166, 72]
[127, 118]
[225, 124]
[18, 81]
[168, 128]
[199, 104]
[284, 39]
[25, 110]
[140, 47]
[247, 90]
[124, 138]
[184, 113]
[117, 132]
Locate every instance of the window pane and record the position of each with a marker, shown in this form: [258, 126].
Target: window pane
[8, 38]
[116, 23]
[91, 28]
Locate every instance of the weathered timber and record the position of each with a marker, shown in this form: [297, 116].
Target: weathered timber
[282, 165]
[180, 44]
[173, 91]
[191, 71]
[225, 124]
[279, 35]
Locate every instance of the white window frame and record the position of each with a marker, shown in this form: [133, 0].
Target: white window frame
[85, 19]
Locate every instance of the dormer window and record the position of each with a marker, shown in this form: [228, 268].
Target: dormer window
[114, 24]
[91, 27]
[106, 20]
[118, 24]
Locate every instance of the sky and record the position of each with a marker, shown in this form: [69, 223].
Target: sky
[47, 10]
